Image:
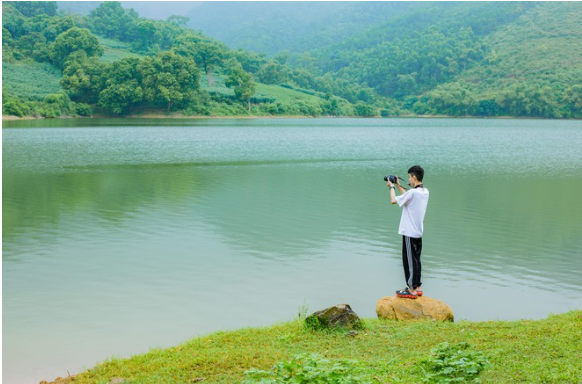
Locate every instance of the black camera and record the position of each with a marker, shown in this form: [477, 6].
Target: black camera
[393, 179]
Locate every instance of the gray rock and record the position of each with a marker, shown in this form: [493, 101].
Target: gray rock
[338, 316]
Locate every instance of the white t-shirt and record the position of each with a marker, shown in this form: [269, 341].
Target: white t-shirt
[413, 204]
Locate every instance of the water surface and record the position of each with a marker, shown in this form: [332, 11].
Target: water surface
[124, 235]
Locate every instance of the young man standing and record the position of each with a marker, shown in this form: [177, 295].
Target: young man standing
[413, 203]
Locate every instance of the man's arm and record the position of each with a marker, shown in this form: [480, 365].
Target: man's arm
[393, 192]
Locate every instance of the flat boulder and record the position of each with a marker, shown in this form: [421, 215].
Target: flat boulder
[338, 316]
[423, 308]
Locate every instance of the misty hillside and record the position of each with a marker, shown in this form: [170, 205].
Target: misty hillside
[355, 58]
[268, 27]
[156, 10]
[274, 27]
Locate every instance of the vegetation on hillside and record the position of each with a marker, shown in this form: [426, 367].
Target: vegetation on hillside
[458, 59]
[466, 59]
[147, 65]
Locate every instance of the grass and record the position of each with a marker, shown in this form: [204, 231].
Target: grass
[30, 80]
[283, 94]
[263, 91]
[519, 351]
[115, 50]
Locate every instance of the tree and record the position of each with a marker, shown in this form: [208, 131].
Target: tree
[34, 45]
[50, 27]
[206, 53]
[33, 8]
[365, 110]
[243, 85]
[111, 20]
[169, 79]
[83, 78]
[142, 34]
[122, 86]
[75, 39]
[273, 73]
[572, 100]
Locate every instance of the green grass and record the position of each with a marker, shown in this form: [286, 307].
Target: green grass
[263, 91]
[283, 94]
[115, 50]
[519, 351]
[30, 80]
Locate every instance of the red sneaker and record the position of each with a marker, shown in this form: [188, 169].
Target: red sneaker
[405, 293]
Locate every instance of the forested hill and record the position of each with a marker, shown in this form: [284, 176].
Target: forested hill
[112, 61]
[274, 27]
[455, 58]
[482, 58]
[320, 59]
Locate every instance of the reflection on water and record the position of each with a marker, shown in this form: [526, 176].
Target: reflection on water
[119, 239]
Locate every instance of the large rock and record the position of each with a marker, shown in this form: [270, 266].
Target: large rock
[396, 308]
[340, 315]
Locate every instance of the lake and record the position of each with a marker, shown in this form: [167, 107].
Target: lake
[124, 235]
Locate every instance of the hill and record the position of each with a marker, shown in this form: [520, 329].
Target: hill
[114, 62]
[540, 56]
[355, 58]
[454, 58]
[267, 27]
[459, 59]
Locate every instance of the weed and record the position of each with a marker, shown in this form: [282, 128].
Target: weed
[308, 368]
[454, 363]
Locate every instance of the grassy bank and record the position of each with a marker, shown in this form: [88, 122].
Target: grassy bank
[519, 351]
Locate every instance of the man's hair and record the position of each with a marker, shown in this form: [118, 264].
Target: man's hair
[417, 171]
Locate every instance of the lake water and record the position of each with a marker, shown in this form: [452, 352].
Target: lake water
[124, 235]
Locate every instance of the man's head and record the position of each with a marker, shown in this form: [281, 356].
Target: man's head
[415, 175]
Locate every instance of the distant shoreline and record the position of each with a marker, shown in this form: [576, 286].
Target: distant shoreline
[249, 117]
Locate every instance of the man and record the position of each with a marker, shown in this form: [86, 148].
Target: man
[413, 203]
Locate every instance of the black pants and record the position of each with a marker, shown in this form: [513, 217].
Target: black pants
[411, 249]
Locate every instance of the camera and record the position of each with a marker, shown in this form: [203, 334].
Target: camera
[393, 179]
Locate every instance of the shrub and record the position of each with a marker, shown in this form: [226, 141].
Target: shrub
[309, 368]
[452, 364]
[83, 109]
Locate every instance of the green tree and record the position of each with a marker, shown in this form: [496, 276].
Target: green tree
[33, 8]
[273, 73]
[207, 54]
[243, 85]
[365, 110]
[122, 87]
[34, 43]
[83, 78]
[168, 78]
[142, 34]
[56, 104]
[75, 39]
[111, 20]
[453, 99]
[572, 101]
[50, 27]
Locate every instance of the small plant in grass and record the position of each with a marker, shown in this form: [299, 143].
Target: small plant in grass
[302, 312]
[454, 364]
[309, 368]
